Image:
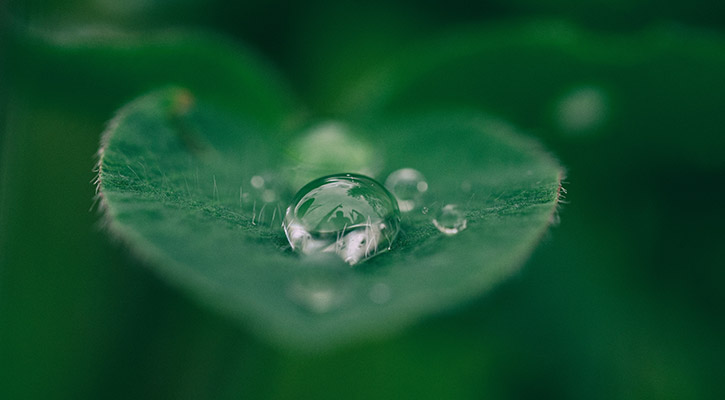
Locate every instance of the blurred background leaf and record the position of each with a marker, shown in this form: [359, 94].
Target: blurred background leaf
[624, 299]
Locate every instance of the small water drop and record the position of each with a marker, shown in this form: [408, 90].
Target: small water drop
[408, 186]
[350, 215]
[267, 187]
[450, 219]
[257, 182]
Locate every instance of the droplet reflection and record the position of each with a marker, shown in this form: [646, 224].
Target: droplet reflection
[450, 220]
[350, 215]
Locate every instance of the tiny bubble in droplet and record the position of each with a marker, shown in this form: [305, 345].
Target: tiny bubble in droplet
[450, 220]
[408, 186]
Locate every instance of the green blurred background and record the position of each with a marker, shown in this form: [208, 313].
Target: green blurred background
[623, 299]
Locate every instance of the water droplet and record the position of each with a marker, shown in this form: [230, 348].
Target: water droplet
[350, 215]
[267, 188]
[320, 285]
[408, 186]
[581, 110]
[450, 219]
[257, 182]
[379, 293]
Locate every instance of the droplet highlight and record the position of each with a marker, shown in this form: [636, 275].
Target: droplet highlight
[408, 185]
[350, 215]
[450, 219]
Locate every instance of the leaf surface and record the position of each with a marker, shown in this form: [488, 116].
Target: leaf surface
[176, 184]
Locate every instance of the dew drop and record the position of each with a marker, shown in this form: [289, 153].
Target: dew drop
[266, 187]
[450, 219]
[257, 182]
[408, 186]
[350, 215]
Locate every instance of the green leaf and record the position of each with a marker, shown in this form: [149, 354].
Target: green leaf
[175, 177]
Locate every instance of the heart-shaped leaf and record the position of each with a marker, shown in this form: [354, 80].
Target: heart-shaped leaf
[199, 193]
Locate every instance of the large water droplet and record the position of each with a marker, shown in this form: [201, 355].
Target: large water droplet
[450, 219]
[408, 186]
[350, 215]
